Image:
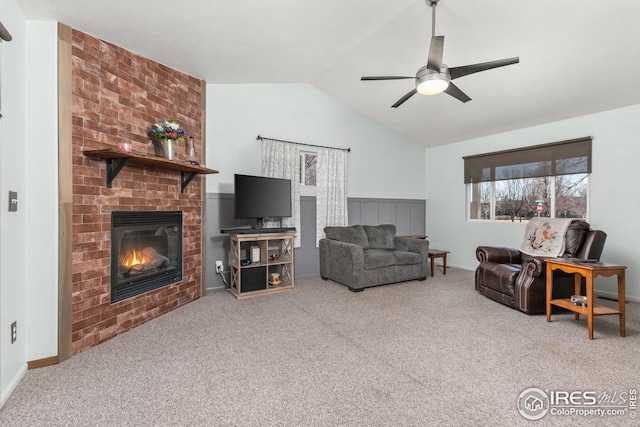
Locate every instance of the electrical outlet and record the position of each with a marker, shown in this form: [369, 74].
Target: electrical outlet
[14, 332]
[219, 266]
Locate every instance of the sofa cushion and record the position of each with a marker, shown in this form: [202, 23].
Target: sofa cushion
[380, 236]
[406, 258]
[574, 237]
[377, 258]
[355, 235]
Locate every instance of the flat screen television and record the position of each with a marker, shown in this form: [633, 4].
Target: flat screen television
[258, 197]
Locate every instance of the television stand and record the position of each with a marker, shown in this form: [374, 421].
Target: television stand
[276, 256]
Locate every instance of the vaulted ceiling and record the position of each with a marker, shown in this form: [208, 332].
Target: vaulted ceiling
[576, 56]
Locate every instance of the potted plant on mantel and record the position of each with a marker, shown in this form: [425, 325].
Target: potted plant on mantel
[164, 136]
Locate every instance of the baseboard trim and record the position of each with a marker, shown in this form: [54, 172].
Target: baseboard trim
[614, 296]
[461, 267]
[13, 384]
[41, 363]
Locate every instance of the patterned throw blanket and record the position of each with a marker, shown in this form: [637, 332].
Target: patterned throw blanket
[545, 237]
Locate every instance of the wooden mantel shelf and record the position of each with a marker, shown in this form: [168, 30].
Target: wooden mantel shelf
[188, 170]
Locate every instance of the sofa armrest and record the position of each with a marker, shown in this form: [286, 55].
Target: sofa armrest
[498, 254]
[408, 244]
[529, 290]
[342, 262]
[533, 266]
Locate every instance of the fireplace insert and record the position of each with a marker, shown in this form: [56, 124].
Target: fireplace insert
[146, 251]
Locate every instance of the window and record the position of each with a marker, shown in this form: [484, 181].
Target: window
[549, 180]
[308, 162]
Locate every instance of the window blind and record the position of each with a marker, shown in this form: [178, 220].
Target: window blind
[557, 158]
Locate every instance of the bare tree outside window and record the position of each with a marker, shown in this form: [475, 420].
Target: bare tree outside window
[308, 164]
[571, 196]
[310, 161]
[480, 200]
[516, 200]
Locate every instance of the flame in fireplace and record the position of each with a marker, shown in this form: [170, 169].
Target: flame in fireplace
[133, 260]
[143, 260]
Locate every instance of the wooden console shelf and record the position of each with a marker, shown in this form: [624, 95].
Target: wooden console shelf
[187, 170]
[276, 256]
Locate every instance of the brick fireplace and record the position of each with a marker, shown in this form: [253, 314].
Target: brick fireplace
[116, 96]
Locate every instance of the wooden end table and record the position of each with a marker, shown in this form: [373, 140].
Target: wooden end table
[588, 270]
[437, 253]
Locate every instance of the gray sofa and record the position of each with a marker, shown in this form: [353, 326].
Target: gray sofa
[362, 256]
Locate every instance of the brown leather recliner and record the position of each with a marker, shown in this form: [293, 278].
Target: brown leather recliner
[519, 280]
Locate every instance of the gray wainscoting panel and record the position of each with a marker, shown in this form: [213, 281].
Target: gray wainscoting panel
[403, 218]
[418, 217]
[217, 243]
[369, 213]
[307, 255]
[386, 212]
[409, 216]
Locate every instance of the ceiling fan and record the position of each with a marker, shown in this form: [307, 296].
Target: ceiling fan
[435, 77]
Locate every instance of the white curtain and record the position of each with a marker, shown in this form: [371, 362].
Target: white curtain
[331, 190]
[282, 160]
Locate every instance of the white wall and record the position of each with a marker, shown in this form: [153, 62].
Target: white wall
[42, 191]
[614, 199]
[381, 163]
[28, 165]
[13, 177]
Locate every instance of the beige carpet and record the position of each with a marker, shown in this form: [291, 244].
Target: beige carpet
[433, 353]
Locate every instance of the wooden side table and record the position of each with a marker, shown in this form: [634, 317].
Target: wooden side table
[588, 270]
[437, 253]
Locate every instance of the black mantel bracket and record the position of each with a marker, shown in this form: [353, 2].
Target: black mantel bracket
[113, 172]
[184, 182]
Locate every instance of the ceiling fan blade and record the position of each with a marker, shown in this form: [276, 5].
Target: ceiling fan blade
[454, 91]
[404, 98]
[386, 78]
[465, 70]
[435, 53]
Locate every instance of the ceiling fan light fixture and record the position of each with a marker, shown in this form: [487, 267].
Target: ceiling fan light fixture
[432, 87]
[430, 82]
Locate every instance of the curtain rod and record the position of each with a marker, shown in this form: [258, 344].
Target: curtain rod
[260, 138]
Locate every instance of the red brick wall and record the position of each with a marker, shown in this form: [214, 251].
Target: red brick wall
[116, 97]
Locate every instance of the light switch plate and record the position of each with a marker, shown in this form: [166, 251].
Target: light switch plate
[13, 201]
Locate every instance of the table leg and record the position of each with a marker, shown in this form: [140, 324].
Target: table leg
[549, 291]
[444, 264]
[577, 284]
[433, 265]
[589, 280]
[621, 301]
